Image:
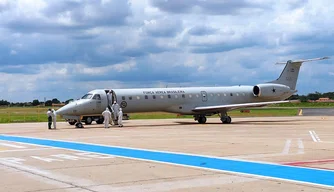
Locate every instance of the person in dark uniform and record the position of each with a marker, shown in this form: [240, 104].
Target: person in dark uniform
[49, 114]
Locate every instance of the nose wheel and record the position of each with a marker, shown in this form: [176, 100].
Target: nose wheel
[79, 125]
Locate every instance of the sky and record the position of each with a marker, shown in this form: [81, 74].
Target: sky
[65, 48]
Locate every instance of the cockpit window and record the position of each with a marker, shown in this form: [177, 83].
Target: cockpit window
[97, 97]
[87, 96]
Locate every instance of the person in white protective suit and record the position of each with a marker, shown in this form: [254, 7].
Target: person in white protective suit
[120, 117]
[54, 118]
[107, 116]
[115, 107]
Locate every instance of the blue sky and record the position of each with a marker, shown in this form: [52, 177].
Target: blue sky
[63, 49]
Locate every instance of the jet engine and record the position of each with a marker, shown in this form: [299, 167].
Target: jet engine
[270, 91]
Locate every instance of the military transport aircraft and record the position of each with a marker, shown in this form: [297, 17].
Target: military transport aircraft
[197, 101]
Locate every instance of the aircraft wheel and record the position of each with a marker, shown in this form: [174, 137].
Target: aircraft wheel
[88, 121]
[227, 120]
[100, 121]
[79, 125]
[72, 122]
[202, 120]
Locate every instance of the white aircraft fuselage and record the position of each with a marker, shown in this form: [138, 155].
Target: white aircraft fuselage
[197, 101]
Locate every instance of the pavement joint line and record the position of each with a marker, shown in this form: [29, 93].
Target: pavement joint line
[311, 176]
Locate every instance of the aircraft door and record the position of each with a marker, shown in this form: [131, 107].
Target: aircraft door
[97, 98]
[204, 96]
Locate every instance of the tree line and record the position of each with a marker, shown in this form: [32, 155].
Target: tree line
[35, 102]
[312, 96]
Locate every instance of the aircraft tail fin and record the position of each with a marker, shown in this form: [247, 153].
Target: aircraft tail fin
[289, 75]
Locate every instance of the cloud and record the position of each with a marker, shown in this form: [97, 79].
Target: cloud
[163, 28]
[79, 45]
[202, 30]
[61, 16]
[214, 7]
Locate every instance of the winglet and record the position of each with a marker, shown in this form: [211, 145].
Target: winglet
[303, 60]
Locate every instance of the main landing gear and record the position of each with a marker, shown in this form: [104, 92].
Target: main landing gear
[225, 118]
[200, 118]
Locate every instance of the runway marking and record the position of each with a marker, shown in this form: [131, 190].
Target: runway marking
[12, 145]
[287, 146]
[300, 146]
[314, 136]
[285, 151]
[304, 175]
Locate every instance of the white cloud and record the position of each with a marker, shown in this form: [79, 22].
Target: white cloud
[78, 44]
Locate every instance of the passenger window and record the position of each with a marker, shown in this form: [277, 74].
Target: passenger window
[97, 97]
[231, 94]
[130, 98]
[218, 95]
[197, 95]
[225, 94]
[237, 94]
[146, 97]
[169, 96]
[190, 96]
[123, 97]
[183, 96]
[176, 96]
[161, 96]
[211, 95]
[138, 97]
[153, 96]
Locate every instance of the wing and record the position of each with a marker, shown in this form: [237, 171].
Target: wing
[235, 106]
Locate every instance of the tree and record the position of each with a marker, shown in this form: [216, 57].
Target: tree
[4, 102]
[35, 102]
[48, 103]
[55, 101]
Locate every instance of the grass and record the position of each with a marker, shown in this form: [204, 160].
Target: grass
[305, 105]
[38, 114]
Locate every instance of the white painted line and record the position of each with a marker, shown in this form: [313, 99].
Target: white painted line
[286, 148]
[22, 150]
[314, 136]
[300, 146]
[12, 145]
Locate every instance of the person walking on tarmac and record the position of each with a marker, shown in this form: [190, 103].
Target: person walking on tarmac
[115, 107]
[107, 116]
[54, 118]
[49, 114]
[120, 117]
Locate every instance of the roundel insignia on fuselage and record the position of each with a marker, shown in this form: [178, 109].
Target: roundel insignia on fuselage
[123, 104]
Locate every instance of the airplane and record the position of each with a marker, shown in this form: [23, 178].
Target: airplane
[197, 101]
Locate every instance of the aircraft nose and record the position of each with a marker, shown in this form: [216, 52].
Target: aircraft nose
[65, 110]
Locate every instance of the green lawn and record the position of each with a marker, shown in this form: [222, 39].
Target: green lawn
[38, 114]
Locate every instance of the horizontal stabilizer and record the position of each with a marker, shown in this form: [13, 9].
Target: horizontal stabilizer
[237, 106]
[303, 60]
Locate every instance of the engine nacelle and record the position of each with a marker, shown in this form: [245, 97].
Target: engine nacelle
[270, 90]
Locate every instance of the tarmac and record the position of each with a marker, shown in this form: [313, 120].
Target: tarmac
[318, 111]
[251, 154]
